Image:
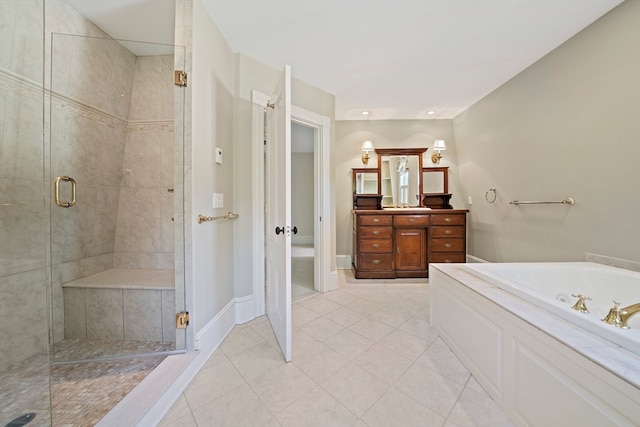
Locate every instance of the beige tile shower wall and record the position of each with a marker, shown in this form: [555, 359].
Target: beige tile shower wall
[119, 314]
[144, 235]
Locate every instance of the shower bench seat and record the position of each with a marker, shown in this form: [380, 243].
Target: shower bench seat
[121, 304]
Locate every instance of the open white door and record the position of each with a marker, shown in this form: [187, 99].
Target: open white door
[278, 213]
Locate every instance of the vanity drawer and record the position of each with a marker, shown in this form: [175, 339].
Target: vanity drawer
[451, 219]
[440, 231]
[411, 220]
[374, 232]
[447, 245]
[376, 245]
[376, 262]
[447, 257]
[374, 219]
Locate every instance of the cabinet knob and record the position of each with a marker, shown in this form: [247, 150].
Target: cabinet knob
[412, 219]
[376, 219]
[447, 219]
[376, 232]
[376, 245]
[448, 232]
[447, 260]
[375, 261]
[447, 245]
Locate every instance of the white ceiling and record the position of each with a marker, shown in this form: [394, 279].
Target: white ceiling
[395, 58]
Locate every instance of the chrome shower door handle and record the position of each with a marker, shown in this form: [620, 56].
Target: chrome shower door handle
[56, 191]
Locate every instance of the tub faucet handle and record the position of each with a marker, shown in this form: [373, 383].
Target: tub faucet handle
[614, 317]
[580, 305]
[618, 317]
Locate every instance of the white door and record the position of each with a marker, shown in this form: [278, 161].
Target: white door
[278, 213]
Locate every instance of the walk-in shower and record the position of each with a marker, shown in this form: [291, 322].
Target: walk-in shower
[91, 202]
[112, 216]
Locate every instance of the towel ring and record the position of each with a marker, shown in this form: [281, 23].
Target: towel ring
[495, 196]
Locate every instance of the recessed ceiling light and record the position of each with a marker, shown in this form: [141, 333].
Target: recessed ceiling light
[431, 112]
[365, 113]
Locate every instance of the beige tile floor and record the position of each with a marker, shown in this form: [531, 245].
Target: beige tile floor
[363, 355]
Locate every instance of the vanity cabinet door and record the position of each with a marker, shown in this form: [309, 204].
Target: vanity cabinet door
[411, 253]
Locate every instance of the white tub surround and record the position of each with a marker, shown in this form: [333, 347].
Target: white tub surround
[551, 286]
[540, 369]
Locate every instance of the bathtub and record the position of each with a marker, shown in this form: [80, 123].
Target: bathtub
[550, 286]
[506, 323]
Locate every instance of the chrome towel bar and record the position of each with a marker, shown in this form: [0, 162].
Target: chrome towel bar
[567, 201]
[230, 215]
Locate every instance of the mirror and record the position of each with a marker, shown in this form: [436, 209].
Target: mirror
[400, 172]
[435, 180]
[365, 181]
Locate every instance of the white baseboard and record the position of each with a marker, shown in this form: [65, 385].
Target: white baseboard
[472, 259]
[212, 334]
[343, 262]
[331, 282]
[152, 398]
[245, 309]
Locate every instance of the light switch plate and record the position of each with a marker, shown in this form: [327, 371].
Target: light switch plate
[218, 200]
[219, 155]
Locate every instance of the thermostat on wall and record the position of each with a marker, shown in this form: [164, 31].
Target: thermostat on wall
[219, 155]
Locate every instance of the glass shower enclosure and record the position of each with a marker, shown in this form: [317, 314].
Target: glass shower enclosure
[91, 202]
[115, 174]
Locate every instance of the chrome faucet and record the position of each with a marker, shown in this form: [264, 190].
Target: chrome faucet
[618, 316]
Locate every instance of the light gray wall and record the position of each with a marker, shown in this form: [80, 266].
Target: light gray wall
[302, 200]
[210, 254]
[566, 126]
[385, 134]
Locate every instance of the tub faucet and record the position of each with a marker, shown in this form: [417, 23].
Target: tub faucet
[618, 316]
[580, 305]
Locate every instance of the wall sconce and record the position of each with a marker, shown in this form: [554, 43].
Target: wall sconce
[366, 147]
[438, 147]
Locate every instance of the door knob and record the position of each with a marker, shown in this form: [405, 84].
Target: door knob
[294, 230]
[279, 230]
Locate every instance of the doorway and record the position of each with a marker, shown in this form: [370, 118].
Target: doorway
[325, 279]
[303, 143]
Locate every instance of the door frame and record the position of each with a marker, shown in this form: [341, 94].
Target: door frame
[325, 279]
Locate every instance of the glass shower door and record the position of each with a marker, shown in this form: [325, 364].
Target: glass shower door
[24, 362]
[116, 211]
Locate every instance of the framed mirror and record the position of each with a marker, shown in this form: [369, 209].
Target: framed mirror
[400, 176]
[435, 180]
[365, 181]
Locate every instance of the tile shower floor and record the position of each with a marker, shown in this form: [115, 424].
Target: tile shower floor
[363, 355]
[81, 393]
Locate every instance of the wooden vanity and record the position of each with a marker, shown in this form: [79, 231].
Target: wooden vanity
[392, 238]
[401, 242]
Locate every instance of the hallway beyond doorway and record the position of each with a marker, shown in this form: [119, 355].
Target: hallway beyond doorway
[302, 280]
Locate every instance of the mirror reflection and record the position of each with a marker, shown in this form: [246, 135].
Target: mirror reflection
[434, 180]
[366, 182]
[400, 180]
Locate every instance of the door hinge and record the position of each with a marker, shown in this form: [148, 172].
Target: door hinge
[180, 78]
[271, 105]
[182, 320]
